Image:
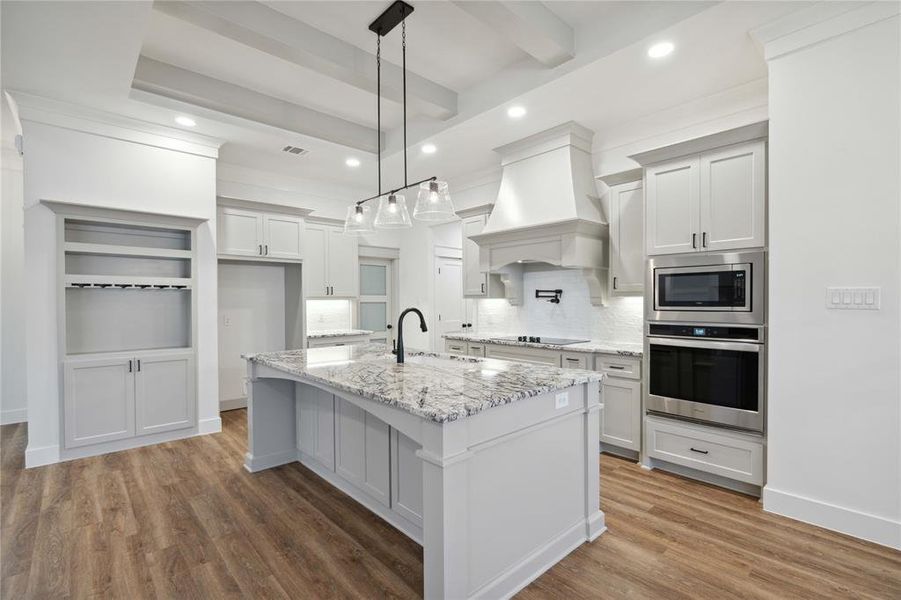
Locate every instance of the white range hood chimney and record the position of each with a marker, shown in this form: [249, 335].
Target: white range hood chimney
[547, 211]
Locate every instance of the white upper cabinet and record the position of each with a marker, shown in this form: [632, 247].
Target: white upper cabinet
[672, 207]
[331, 263]
[475, 280]
[257, 234]
[626, 239]
[733, 197]
[715, 200]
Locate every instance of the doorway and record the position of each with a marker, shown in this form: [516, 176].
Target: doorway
[376, 304]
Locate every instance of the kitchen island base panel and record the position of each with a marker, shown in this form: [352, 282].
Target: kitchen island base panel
[506, 493]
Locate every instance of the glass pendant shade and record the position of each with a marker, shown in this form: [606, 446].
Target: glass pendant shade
[359, 219]
[433, 202]
[392, 213]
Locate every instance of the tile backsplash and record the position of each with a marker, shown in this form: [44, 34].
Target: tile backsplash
[329, 314]
[619, 321]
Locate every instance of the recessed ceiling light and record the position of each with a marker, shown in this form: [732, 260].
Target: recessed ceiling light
[352, 162]
[515, 112]
[429, 148]
[185, 121]
[660, 49]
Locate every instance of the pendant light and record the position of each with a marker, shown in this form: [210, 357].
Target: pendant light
[433, 201]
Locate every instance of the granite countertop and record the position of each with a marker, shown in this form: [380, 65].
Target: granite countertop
[434, 386]
[593, 346]
[325, 333]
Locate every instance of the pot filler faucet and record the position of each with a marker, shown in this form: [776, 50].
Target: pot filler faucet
[400, 331]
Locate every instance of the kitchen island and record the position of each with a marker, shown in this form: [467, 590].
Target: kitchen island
[492, 466]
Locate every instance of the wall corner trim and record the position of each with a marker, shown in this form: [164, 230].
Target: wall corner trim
[852, 522]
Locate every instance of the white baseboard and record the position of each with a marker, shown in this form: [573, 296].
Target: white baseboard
[38, 457]
[232, 404]
[211, 425]
[861, 525]
[261, 463]
[16, 415]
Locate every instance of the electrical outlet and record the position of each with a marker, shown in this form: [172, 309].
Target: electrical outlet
[853, 298]
[561, 400]
[226, 321]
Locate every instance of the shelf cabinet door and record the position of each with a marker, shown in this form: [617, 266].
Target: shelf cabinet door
[621, 413]
[240, 232]
[672, 207]
[283, 236]
[99, 401]
[626, 238]
[475, 280]
[733, 197]
[316, 425]
[315, 252]
[343, 264]
[165, 396]
[406, 478]
[362, 452]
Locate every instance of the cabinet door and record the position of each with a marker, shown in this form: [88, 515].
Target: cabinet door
[282, 237]
[362, 453]
[343, 264]
[733, 197]
[626, 238]
[165, 396]
[621, 415]
[316, 425]
[99, 401]
[672, 207]
[406, 478]
[315, 253]
[475, 281]
[476, 349]
[240, 232]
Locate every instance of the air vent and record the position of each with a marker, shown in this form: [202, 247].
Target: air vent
[295, 150]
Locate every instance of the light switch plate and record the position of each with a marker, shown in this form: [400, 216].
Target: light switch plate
[853, 298]
[561, 400]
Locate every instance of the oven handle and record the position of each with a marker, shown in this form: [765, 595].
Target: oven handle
[690, 343]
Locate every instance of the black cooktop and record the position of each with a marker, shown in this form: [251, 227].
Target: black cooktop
[537, 339]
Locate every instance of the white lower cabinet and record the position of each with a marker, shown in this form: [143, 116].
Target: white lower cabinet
[406, 480]
[455, 347]
[362, 450]
[621, 413]
[316, 425]
[474, 349]
[733, 455]
[115, 397]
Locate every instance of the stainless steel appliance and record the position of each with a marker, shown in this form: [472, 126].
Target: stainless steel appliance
[536, 339]
[716, 287]
[709, 373]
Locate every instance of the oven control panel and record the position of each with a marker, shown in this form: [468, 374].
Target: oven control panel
[706, 331]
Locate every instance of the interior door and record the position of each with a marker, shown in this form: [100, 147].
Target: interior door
[283, 234]
[315, 252]
[240, 232]
[376, 309]
[672, 207]
[164, 391]
[343, 257]
[448, 295]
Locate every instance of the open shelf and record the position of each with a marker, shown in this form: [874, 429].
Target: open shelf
[118, 250]
[127, 282]
[119, 235]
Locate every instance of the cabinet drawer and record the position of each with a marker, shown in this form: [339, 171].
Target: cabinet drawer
[454, 347]
[615, 365]
[476, 349]
[575, 360]
[732, 455]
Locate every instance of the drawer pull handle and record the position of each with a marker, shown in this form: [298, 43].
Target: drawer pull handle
[616, 367]
[699, 451]
[575, 360]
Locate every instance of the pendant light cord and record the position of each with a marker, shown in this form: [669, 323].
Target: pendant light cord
[403, 29]
[378, 109]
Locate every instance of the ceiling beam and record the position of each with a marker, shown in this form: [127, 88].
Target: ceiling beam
[267, 30]
[173, 82]
[531, 26]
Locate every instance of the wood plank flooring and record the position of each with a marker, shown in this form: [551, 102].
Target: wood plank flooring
[185, 520]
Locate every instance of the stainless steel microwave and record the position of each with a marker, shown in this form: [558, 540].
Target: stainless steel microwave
[720, 287]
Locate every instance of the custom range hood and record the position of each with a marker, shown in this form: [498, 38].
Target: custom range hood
[546, 211]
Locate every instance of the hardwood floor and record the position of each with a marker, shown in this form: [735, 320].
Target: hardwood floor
[185, 520]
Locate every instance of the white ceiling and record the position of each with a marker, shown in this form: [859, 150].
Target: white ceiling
[87, 53]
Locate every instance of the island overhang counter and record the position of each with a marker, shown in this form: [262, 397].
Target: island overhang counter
[492, 466]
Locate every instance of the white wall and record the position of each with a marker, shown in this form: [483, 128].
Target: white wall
[834, 412]
[251, 319]
[107, 170]
[12, 278]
